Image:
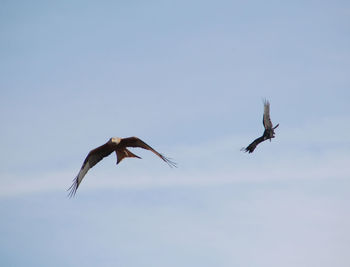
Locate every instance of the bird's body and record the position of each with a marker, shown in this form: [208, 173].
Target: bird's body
[269, 132]
[117, 145]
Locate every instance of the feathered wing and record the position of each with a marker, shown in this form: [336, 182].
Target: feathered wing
[254, 144]
[266, 118]
[136, 142]
[94, 156]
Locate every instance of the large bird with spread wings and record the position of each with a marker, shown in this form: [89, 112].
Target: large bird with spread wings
[117, 145]
[269, 129]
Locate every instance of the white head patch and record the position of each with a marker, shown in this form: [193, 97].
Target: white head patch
[115, 140]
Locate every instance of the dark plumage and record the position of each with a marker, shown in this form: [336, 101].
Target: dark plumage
[269, 129]
[117, 145]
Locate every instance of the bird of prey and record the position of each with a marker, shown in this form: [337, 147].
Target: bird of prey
[269, 129]
[117, 145]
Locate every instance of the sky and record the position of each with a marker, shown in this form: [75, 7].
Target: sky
[188, 78]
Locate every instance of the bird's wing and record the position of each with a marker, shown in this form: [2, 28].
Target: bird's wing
[266, 118]
[136, 142]
[94, 156]
[254, 144]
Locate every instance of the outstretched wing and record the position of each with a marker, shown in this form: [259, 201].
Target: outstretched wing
[136, 142]
[94, 156]
[266, 118]
[254, 144]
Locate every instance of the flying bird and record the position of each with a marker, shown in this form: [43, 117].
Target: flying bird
[117, 145]
[269, 129]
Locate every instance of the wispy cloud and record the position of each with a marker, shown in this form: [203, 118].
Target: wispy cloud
[330, 166]
[316, 151]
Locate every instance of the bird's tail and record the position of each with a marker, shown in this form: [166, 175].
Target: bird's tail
[125, 153]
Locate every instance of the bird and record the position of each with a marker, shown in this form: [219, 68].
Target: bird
[269, 132]
[117, 145]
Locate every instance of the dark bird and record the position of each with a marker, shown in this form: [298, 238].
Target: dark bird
[117, 145]
[269, 129]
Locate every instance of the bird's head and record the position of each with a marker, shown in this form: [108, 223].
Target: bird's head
[114, 140]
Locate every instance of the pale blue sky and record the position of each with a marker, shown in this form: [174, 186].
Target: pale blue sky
[188, 77]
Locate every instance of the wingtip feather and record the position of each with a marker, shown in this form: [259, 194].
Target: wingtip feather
[73, 188]
[170, 162]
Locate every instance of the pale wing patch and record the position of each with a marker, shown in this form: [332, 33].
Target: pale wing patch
[89, 162]
[83, 172]
[266, 119]
[77, 180]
